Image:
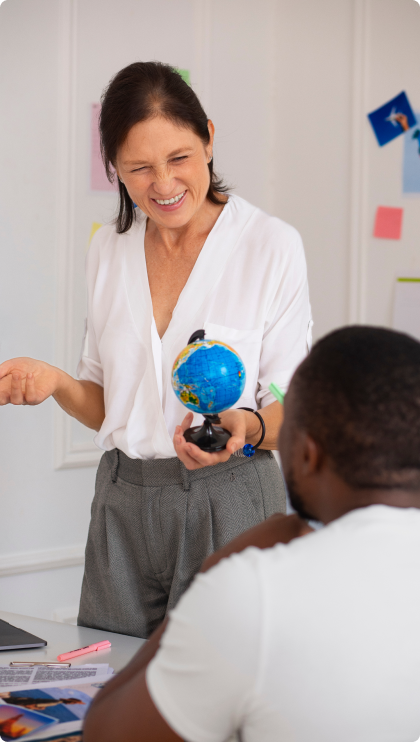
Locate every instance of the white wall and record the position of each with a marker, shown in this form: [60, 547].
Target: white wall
[381, 174]
[40, 509]
[288, 85]
[313, 145]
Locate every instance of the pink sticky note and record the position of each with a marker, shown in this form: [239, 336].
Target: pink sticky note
[98, 179]
[388, 223]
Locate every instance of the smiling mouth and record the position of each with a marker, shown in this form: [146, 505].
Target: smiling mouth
[168, 201]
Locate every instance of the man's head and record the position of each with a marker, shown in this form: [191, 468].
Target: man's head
[351, 434]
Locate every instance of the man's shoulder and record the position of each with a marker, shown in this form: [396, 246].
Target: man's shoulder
[238, 572]
[357, 537]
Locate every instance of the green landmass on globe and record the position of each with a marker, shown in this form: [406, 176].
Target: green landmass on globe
[208, 377]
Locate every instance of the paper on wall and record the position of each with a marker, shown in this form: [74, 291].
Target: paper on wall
[392, 119]
[185, 74]
[406, 316]
[411, 159]
[388, 223]
[94, 229]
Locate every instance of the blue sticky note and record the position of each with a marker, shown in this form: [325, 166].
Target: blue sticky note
[390, 120]
[411, 159]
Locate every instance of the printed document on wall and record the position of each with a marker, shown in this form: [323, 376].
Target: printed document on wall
[407, 306]
[411, 159]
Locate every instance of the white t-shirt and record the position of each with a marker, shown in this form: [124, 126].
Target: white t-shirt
[248, 288]
[316, 641]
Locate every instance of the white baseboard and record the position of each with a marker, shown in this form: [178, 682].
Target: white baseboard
[36, 561]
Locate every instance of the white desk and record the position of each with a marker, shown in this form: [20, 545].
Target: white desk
[63, 638]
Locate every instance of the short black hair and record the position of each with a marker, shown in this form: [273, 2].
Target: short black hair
[357, 395]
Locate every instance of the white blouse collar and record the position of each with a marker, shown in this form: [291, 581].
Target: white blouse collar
[207, 270]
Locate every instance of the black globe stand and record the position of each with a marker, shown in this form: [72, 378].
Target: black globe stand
[210, 437]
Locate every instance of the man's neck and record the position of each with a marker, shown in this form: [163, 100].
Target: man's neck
[343, 499]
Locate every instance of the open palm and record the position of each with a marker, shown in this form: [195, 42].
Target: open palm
[26, 381]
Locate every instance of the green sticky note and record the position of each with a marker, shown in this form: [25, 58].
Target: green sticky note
[279, 395]
[185, 74]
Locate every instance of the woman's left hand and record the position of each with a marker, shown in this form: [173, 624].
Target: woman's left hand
[194, 458]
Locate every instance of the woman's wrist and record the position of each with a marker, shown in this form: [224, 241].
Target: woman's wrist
[252, 424]
[63, 383]
[253, 428]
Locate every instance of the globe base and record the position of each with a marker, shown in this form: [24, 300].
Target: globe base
[209, 437]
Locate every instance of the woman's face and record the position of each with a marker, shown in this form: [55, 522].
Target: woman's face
[161, 162]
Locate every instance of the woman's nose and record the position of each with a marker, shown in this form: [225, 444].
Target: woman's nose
[163, 182]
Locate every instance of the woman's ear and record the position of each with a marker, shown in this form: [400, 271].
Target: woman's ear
[209, 146]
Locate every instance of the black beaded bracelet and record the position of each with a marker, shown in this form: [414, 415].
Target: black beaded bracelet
[249, 449]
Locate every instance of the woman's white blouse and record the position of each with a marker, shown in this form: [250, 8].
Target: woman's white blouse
[248, 288]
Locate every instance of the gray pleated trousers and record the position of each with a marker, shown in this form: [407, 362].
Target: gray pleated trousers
[153, 524]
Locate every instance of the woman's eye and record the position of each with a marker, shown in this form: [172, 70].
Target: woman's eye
[139, 169]
[178, 159]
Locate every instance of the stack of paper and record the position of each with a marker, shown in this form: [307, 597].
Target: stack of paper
[42, 674]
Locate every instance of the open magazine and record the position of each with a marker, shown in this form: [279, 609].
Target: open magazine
[52, 712]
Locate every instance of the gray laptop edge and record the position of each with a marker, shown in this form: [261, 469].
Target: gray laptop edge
[13, 638]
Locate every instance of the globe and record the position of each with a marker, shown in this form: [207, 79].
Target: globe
[208, 376]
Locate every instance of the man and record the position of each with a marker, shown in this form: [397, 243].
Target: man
[318, 639]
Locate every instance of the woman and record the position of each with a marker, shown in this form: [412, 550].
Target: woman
[189, 256]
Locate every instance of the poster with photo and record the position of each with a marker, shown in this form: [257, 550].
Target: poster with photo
[392, 119]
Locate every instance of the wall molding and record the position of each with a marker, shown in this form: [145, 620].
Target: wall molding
[359, 166]
[36, 561]
[68, 454]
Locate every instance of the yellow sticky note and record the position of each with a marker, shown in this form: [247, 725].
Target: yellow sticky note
[95, 227]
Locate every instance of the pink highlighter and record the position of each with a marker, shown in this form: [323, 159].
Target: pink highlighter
[84, 650]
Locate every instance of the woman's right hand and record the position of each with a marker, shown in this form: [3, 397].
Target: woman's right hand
[26, 381]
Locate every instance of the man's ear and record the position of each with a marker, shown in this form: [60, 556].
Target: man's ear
[311, 454]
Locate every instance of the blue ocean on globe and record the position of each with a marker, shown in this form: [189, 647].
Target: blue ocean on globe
[208, 377]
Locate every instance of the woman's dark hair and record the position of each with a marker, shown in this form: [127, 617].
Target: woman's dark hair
[137, 93]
